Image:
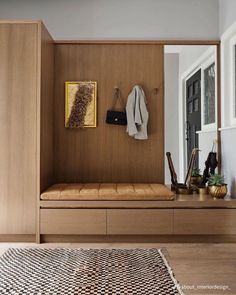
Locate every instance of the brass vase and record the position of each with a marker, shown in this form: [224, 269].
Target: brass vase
[203, 190]
[218, 191]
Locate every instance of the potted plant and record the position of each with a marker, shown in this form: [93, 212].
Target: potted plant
[196, 177]
[217, 186]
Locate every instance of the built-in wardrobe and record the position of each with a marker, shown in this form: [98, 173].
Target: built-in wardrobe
[26, 97]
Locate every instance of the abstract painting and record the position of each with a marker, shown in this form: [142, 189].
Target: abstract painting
[81, 104]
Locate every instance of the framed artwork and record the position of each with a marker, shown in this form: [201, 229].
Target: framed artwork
[80, 104]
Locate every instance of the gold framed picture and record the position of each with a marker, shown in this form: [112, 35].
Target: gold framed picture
[80, 104]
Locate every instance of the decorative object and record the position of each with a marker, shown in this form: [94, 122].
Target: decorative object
[86, 272]
[173, 174]
[210, 164]
[196, 177]
[80, 104]
[217, 187]
[179, 188]
[182, 188]
[190, 166]
[203, 190]
[114, 116]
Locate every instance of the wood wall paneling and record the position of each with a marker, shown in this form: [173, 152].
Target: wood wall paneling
[18, 128]
[107, 153]
[46, 109]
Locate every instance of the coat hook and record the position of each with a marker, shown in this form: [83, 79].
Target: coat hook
[116, 91]
[155, 90]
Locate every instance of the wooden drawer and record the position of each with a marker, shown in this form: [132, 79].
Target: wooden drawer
[205, 221]
[73, 221]
[139, 221]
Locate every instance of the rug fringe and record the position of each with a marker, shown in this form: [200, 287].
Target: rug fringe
[177, 285]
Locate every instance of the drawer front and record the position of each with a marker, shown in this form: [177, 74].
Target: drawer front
[205, 221]
[139, 221]
[73, 221]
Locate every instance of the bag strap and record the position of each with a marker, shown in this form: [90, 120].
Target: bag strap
[116, 97]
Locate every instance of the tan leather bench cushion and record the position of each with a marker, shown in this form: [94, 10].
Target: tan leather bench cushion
[107, 191]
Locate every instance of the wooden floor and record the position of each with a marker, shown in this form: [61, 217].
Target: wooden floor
[199, 268]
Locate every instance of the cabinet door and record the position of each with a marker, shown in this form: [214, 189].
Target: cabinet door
[73, 221]
[139, 221]
[205, 221]
[18, 127]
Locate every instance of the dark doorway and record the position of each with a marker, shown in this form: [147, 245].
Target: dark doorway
[193, 111]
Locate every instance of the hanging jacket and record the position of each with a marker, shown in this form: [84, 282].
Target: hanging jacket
[137, 114]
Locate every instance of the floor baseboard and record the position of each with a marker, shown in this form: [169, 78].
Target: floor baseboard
[138, 239]
[121, 238]
[17, 238]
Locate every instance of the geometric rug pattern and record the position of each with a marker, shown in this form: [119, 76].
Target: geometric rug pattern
[61, 271]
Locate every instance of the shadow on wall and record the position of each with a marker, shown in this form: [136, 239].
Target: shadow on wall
[233, 188]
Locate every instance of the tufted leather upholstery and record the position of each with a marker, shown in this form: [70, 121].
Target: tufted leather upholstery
[108, 191]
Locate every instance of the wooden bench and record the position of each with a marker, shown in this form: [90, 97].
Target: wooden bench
[125, 212]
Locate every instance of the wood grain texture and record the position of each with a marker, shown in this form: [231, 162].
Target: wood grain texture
[73, 221]
[46, 109]
[194, 201]
[138, 238]
[18, 127]
[44, 115]
[139, 221]
[205, 221]
[107, 153]
[17, 238]
[138, 42]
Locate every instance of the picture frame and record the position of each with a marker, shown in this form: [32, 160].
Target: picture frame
[80, 104]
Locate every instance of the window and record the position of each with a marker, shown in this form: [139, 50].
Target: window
[190, 107]
[234, 106]
[229, 97]
[232, 82]
[209, 95]
[196, 87]
[195, 105]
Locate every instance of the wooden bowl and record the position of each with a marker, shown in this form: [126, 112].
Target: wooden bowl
[182, 189]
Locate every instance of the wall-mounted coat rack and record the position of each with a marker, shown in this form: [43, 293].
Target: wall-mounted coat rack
[155, 89]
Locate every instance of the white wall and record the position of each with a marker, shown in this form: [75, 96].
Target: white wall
[227, 14]
[206, 140]
[188, 56]
[228, 139]
[189, 61]
[227, 17]
[114, 19]
[171, 111]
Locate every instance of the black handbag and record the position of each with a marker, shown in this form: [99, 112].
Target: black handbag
[114, 116]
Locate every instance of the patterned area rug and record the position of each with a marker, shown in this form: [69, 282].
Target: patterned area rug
[60, 271]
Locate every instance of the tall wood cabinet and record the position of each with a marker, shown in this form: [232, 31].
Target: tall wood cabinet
[25, 48]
